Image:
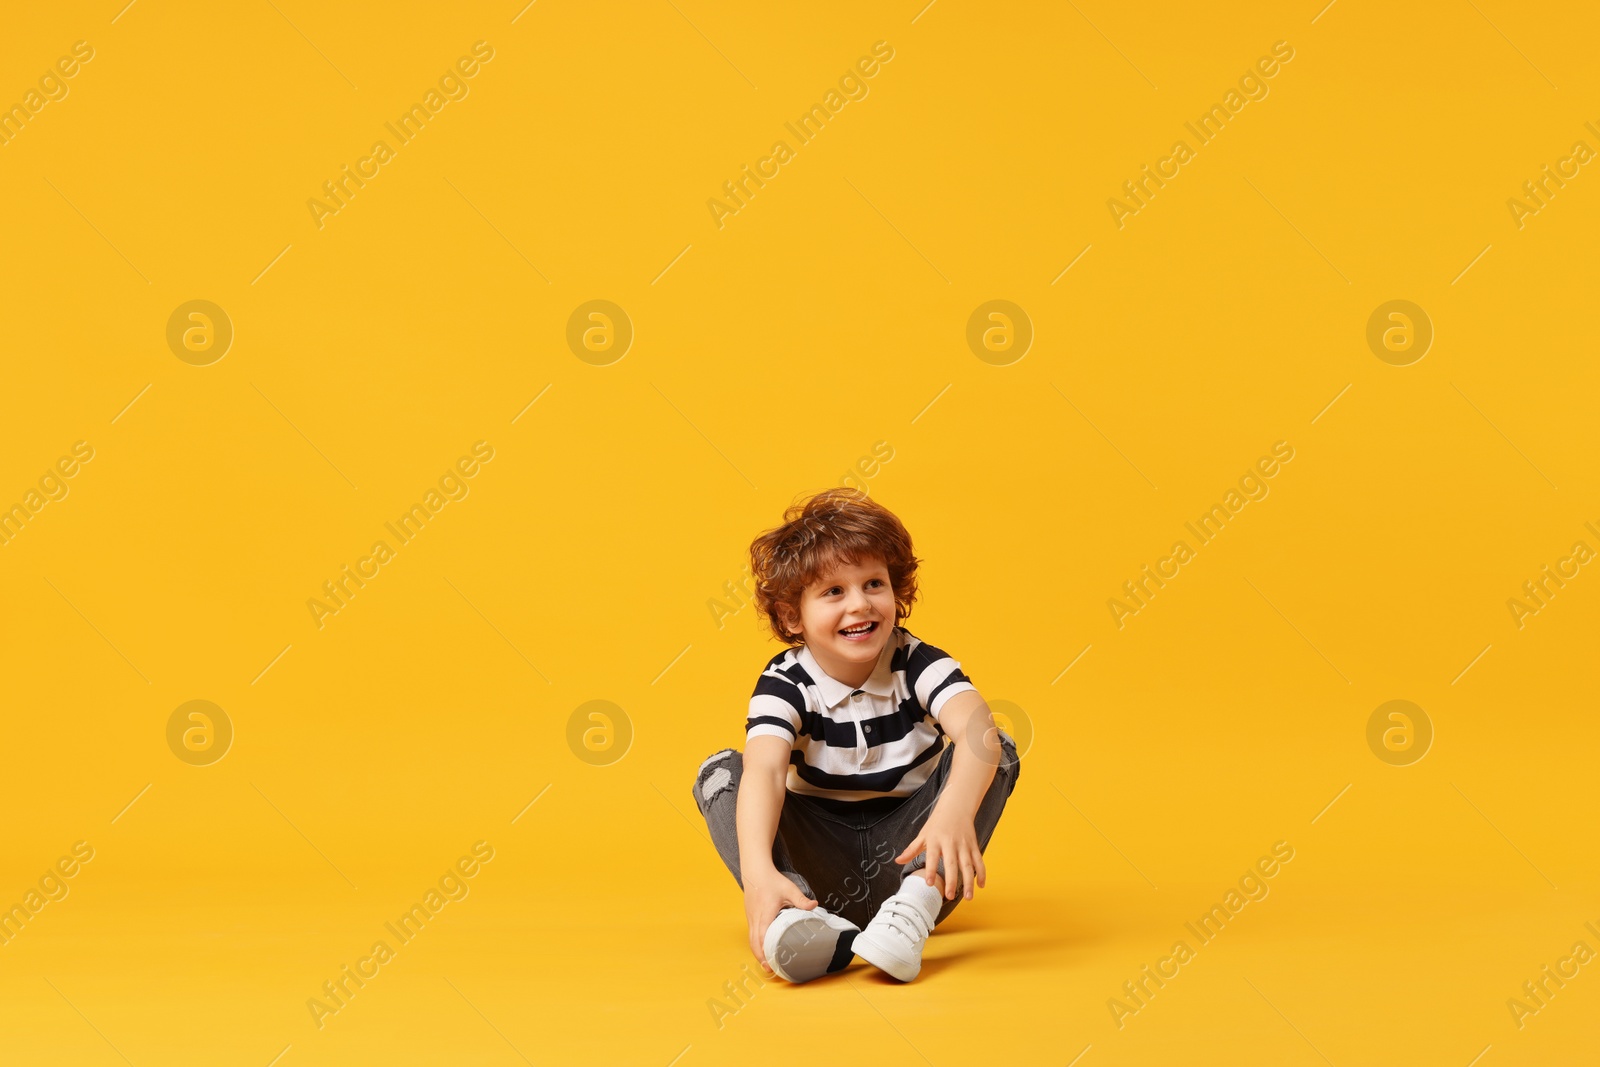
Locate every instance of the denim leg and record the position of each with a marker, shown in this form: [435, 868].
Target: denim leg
[847, 881]
[716, 794]
[832, 858]
[900, 827]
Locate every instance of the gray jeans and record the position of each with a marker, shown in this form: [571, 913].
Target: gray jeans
[842, 854]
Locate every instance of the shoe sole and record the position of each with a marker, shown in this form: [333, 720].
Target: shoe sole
[894, 965]
[810, 948]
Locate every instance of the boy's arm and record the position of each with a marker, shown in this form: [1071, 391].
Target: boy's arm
[949, 833]
[761, 794]
[767, 891]
[946, 692]
[770, 734]
[966, 718]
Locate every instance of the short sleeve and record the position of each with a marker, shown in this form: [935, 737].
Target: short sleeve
[775, 709]
[934, 677]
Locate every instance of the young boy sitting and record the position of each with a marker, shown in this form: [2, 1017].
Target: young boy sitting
[846, 775]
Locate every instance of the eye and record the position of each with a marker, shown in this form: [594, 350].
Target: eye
[832, 591]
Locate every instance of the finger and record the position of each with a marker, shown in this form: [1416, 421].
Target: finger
[983, 873]
[932, 864]
[909, 853]
[968, 873]
[797, 897]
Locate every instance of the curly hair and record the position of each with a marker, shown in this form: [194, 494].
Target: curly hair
[833, 526]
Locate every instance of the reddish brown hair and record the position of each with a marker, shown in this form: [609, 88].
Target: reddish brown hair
[833, 526]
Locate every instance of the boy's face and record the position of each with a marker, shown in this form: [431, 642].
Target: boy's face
[846, 617]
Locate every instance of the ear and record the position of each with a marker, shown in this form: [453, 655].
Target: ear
[786, 615]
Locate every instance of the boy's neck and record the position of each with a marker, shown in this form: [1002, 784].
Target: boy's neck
[853, 675]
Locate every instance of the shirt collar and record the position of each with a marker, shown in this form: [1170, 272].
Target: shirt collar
[834, 692]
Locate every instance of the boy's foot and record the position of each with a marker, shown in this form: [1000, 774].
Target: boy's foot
[893, 940]
[802, 944]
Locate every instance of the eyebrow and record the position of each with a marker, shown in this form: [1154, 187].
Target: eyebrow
[829, 583]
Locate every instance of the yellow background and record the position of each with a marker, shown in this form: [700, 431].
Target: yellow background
[770, 355]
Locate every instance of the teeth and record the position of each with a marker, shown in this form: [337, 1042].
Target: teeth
[863, 628]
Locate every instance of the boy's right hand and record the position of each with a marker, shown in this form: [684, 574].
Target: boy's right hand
[765, 894]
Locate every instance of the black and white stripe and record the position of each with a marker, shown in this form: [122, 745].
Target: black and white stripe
[881, 739]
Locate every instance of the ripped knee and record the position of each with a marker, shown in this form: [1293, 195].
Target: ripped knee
[715, 776]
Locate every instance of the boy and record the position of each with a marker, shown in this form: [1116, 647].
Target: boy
[845, 774]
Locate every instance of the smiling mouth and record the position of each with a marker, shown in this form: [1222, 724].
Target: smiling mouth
[859, 633]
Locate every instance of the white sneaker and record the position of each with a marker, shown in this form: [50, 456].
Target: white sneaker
[893, 940]
[802, 944]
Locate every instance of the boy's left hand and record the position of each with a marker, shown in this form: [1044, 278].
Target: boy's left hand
[948, 836]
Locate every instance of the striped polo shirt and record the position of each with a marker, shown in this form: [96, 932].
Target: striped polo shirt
[853, 744]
